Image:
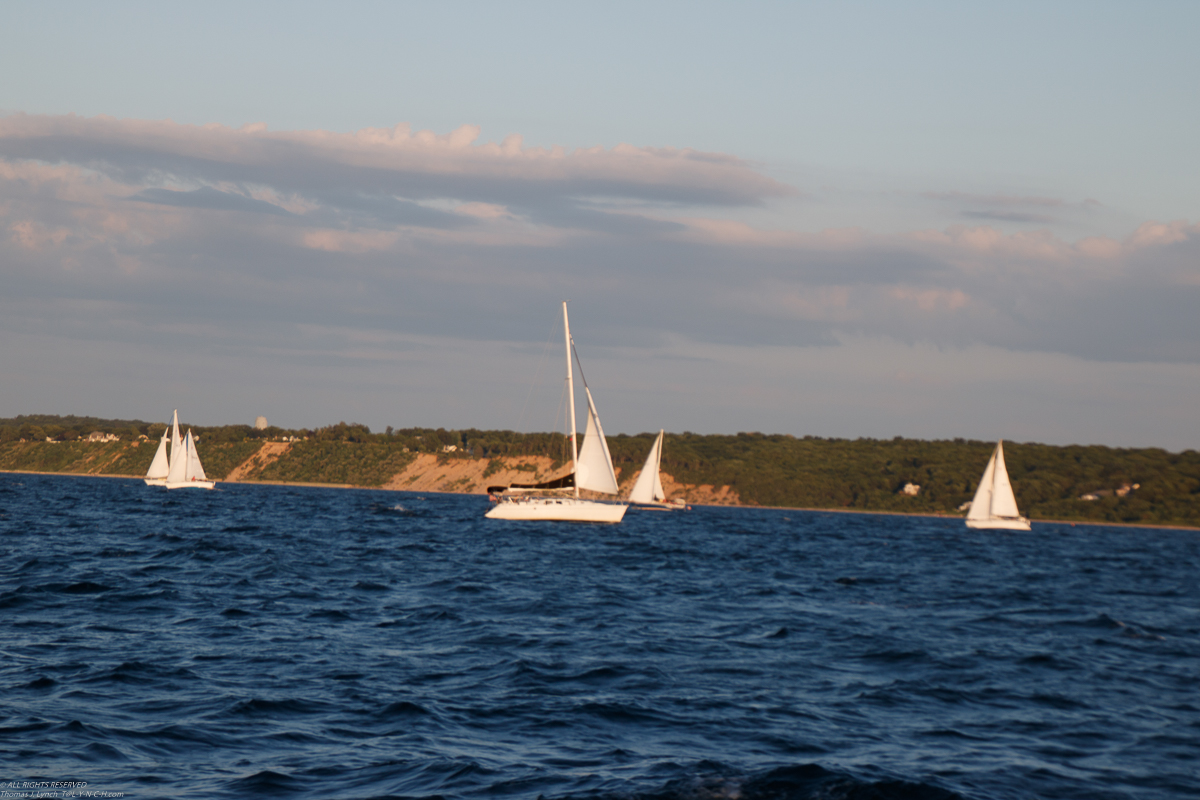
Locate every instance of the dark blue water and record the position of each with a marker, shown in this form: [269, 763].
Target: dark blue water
[311, 643]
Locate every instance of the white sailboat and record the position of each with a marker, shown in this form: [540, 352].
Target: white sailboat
[185, 470]
[160, 466]
[592, 469]
[647, 491]
[994, 506]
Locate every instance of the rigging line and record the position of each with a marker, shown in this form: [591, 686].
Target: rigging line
[586, 390]
[578, 362]
[562, 450]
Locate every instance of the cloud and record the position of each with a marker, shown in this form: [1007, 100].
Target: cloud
[350, 241]
[998, 200]
[1009, 216]
[207, 197]
[1021, 209]
[389, 161]
[202, 239]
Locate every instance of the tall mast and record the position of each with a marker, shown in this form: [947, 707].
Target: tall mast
[571, 402]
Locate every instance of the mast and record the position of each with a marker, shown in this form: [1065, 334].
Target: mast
[176, 442]
[571, 402]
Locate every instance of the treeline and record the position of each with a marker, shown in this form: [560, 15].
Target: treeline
[473, 442]
[1142, 485]
[42, 427]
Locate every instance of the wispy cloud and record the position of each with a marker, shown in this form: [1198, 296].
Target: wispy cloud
[1009, 216]
[997, 200]
[1007, 208]
[208, 197]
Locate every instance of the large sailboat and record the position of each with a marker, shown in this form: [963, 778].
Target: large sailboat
[185, 470]
[592, 469]
[994, 506]
[647, 491]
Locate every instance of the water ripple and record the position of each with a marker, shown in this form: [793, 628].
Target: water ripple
[317, 643]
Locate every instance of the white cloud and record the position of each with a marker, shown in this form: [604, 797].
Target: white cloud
[421, 164]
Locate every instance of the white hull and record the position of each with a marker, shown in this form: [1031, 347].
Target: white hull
[660, 506]
[190, 485]
[560, 509]
[1019, 524]
[155, 481]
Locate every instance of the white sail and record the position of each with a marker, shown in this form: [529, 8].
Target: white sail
[193, 471]
[994, 505]
[648, 487]
[1004, 504]
[159, 467]
[594, 470]
[981, 506]
[176, 441]
[178, 464]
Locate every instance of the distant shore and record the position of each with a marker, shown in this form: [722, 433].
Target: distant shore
[1145, 487]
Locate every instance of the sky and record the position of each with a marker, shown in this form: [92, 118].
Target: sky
[931, 220]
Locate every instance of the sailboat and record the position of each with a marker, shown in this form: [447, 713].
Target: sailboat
[591, 468]
[160, 466]
[185, 470]
[647, 491]
[994, 506]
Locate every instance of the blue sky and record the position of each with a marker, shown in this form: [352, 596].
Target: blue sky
[931, 219]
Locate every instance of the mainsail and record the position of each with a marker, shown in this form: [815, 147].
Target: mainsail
[194, 471]
[1004, 503]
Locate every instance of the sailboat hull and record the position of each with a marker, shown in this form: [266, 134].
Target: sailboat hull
[670, 505]
[999, 524]
[557, 509]
[155, 481]
[191, 485]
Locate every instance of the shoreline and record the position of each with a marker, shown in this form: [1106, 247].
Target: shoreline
[217, 480]
[1071, 522]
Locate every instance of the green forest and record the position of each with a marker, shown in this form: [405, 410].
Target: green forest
[1126, 485]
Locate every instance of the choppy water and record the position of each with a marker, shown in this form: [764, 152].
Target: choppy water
[311, 643]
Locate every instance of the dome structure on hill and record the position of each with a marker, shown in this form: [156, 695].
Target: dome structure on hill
[260, 423]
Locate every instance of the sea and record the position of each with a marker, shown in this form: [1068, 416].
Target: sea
[298, 642]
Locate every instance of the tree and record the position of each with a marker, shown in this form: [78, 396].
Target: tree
[32, 433]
